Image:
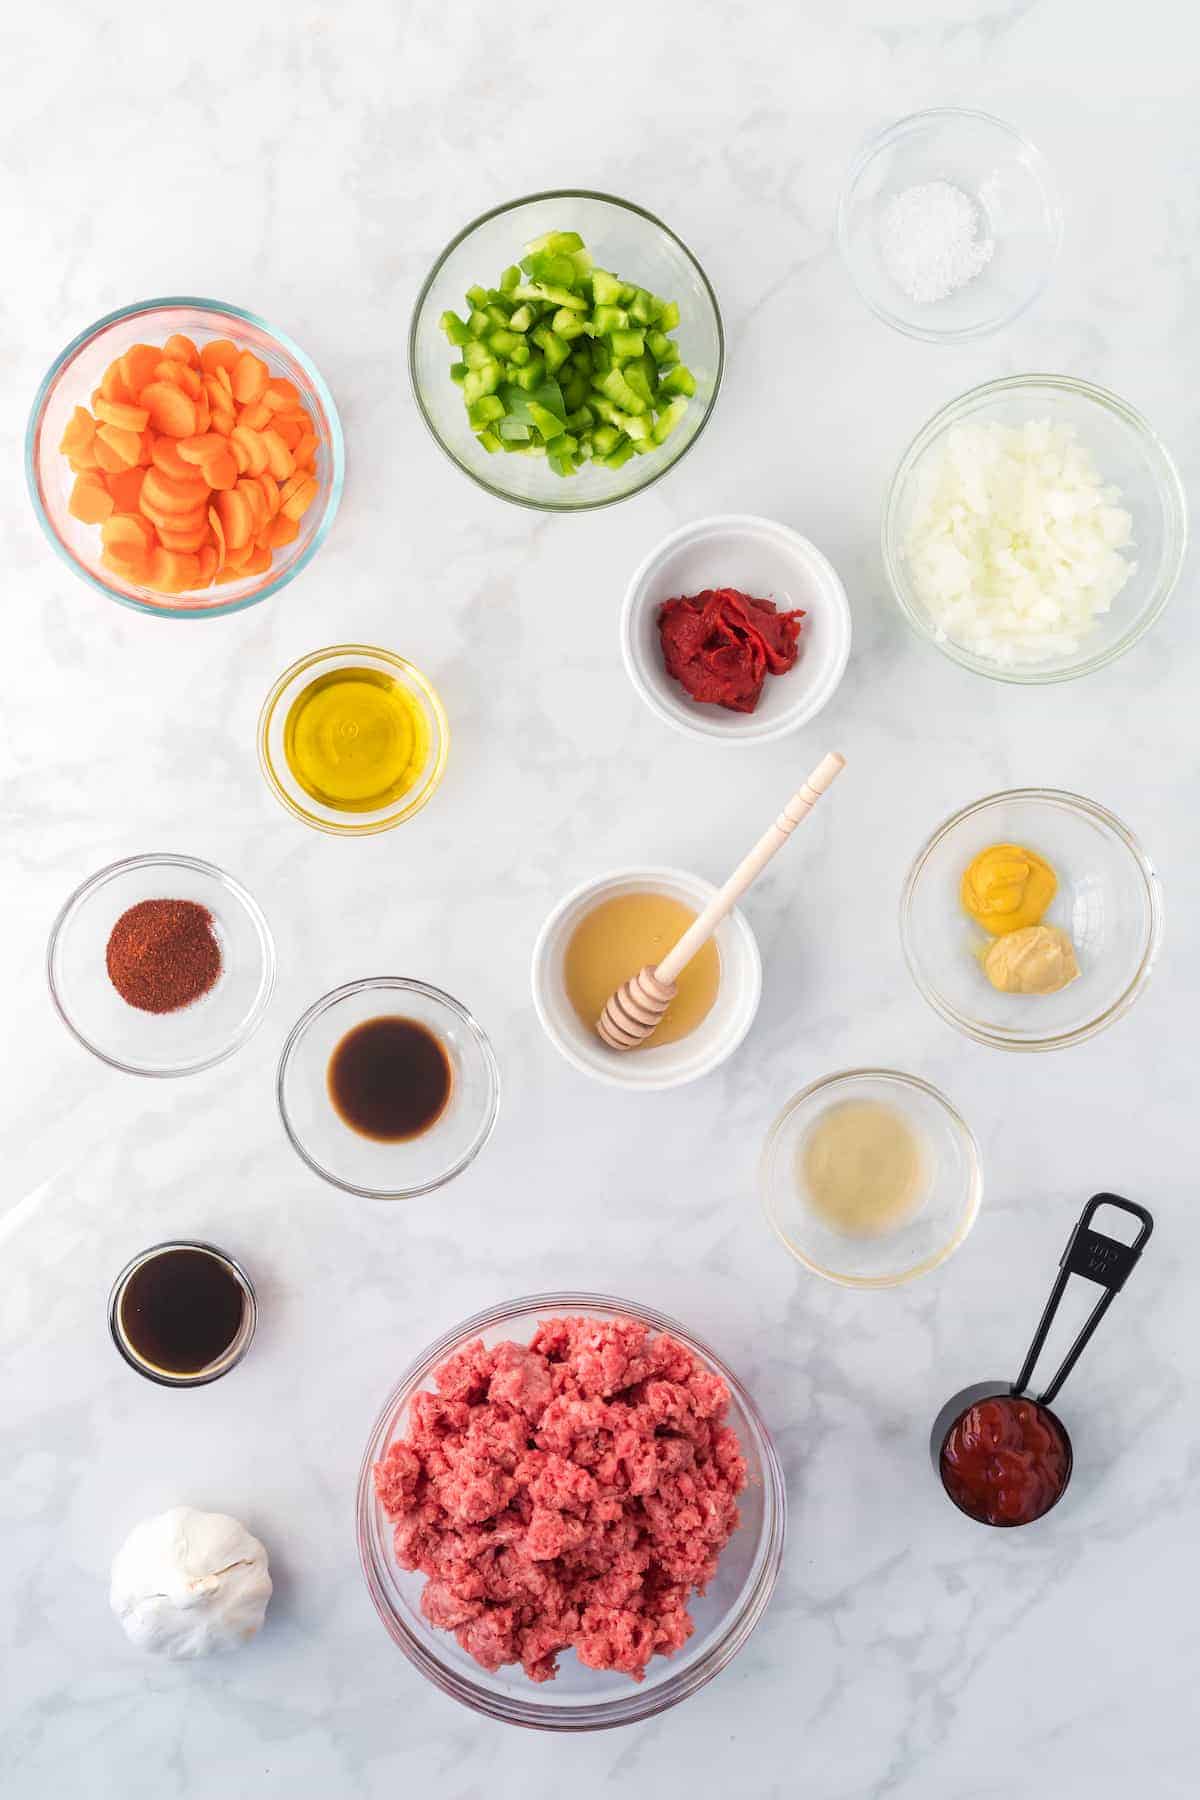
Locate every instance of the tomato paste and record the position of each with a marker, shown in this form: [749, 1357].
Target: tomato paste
[1006, 1460]
[721, 645]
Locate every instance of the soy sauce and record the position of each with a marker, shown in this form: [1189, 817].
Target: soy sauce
[390, 1079]
[181, 1310]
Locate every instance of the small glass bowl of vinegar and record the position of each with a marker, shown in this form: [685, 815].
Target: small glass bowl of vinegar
[278, 737]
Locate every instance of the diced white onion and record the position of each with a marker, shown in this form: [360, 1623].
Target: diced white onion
[1014, 544]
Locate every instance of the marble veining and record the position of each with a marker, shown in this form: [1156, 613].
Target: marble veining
[309, 163]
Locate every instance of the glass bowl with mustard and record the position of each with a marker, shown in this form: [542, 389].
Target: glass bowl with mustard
[1031, 919]
[353, 739]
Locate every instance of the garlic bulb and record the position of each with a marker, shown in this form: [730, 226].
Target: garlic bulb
[187, 1583]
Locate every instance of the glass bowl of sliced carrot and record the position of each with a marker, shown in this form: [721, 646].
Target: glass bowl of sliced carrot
[566, 350]
[184, 457]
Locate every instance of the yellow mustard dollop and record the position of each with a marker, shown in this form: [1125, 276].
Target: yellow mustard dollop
[1006, 888]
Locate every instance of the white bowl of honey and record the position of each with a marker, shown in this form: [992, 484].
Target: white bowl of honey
[607, 929]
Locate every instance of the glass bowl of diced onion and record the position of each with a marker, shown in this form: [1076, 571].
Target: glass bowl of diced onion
[73, 380]
[620, 238]
[1035, 529]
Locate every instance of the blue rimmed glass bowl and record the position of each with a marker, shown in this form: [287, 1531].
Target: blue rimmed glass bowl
[77, 371]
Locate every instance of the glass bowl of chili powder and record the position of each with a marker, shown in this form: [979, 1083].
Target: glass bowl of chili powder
[161, 965]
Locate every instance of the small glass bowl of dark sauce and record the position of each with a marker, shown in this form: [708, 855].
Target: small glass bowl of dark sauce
[388, 1087]
[1002, 1456]
[182, 1314]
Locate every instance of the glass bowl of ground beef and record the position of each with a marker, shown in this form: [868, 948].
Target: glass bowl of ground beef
[570, 1514]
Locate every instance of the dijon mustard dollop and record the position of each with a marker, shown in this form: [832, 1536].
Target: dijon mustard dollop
[1006, 888]
[1040, 959]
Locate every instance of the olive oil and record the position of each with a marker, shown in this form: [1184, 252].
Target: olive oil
[356, 740]
[617, 939]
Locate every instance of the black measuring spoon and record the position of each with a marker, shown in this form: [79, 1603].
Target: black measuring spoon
[1002, 1456]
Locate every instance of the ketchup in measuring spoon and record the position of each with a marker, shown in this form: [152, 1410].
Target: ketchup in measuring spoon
[1002, 1456]
[1006, 1460]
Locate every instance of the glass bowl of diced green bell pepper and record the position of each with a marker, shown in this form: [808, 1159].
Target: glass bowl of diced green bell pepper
[566, 350]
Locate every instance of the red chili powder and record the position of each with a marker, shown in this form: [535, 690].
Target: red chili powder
[163, 954]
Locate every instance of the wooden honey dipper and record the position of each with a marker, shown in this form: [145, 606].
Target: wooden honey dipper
[633, 1012]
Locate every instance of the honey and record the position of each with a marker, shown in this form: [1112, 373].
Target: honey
[356, 740]
[617, 939]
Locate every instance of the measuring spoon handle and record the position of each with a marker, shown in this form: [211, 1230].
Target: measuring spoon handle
[1104, 1260]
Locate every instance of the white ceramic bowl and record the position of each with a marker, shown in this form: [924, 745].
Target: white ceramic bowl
[667, 1065]
[769, 561]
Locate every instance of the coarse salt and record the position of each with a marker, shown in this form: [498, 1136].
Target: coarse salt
[931, 242]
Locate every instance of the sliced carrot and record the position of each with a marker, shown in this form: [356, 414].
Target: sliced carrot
[90, 500]
[221, 470]
[182, 349]
[138, 365]
[107, 459]
[221, 353]
[203, 413]
[256, 501]
[259, 562]
[127, 529]
[128, 564]
[169, 521]
[235, 516]
[113, 387]
[223, 422]
[208, 563]
[279, 457]
[304, 450]
[280, 393]
[237, 559]
[255, 417]
[79, 431]
[250, 376]
[198, 449]
[171, 411]
[218, 531]
[165, 456]
[125, 418]
[174, 496]
[126, 444]
[187, 541]
[126, 489]
[270, 488]
[300, 499]
[250, 450]
[282, 531]
[179, 375]
[172, 572]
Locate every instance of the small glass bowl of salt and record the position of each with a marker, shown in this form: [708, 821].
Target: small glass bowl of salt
[949, 225]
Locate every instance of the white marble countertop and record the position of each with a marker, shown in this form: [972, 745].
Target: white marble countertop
[309, 163]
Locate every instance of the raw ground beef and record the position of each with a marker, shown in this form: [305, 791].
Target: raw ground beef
[569, 1495]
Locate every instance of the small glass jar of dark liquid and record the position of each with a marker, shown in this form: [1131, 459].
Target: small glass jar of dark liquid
[182, 1314]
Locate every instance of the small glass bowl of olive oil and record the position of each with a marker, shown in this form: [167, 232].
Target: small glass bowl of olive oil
[353, 739]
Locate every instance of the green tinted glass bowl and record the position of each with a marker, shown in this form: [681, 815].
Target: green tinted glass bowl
[621, 237]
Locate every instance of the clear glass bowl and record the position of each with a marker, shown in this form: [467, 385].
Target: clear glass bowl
[953, 1182]
[1019, 210]
[273, 719]
[623, 238]
[1127, 454]
[77, 371]
[362, 1165]
[1108, 901]
[580, 1699]
[177, 1043]
[229, 1358]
